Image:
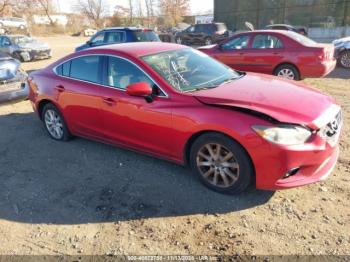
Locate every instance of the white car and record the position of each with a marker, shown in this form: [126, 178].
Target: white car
[13, 22]
[89, 32]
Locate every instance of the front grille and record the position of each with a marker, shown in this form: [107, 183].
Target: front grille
[331, 131]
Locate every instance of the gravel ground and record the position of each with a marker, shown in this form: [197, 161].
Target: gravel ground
[84, 198]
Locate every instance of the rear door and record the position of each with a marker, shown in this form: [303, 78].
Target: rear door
[233, 52]
[265, 53]
[79, 93]
[114, 37]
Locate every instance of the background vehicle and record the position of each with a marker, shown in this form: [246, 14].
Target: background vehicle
[12, 79]
[282, 53]
[13, 22]
[342, 51]
[175, 103]
[206, 34]
[24, 48]
[120, 35]
[300, 30]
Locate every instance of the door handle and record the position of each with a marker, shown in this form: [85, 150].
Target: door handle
[60, 88]
[276, 53]
[109, 101]
[241, 53]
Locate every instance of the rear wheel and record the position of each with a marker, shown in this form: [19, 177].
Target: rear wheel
[287, 71]
[221, 163]
[54, 123]
[344, 59]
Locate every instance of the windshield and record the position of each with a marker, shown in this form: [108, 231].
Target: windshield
[189, 69]
[146, 36]
[21, 39]
[301, 39]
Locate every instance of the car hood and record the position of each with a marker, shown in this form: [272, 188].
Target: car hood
[35, 45]
[285, 101]
[341, 40]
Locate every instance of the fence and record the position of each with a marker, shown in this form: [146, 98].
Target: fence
[320, 14]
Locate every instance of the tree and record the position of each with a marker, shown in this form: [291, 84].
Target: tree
[4, 5]
[94, 10]
[149, 10]
[131, 11]
[47, 7]
[173, 10]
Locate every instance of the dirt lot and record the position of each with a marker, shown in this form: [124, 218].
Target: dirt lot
[84, 197]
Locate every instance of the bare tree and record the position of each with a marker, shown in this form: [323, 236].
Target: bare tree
[47, 7]
[94, 10]
[149, 10]
[131, 11]
[4, 4]
[173, 10]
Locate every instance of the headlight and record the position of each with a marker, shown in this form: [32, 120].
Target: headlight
[284, 135]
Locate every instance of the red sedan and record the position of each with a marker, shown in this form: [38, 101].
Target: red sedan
[173, 102]
[281, 53]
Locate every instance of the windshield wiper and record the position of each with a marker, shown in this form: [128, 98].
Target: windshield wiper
[199, 88]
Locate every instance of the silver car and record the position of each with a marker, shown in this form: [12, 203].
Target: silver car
[24, 48]
[13, 80]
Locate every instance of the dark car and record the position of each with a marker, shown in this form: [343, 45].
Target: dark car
[206, 34]
[24, 48]
[120, 35]
[299, 30]
[342, 51]
[12, 79]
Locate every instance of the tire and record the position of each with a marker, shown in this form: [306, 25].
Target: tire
[287, 71]
[18, 57]
[178, 40]
[208, 41]
[344, 59]
[233, 175]
[50, 112]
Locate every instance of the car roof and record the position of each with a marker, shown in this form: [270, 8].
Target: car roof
[125, 28]
[139, 48]
[267, 31]
[279, 25]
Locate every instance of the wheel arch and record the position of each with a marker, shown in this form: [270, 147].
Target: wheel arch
[42, 104]
[190, 141]
[288, 63]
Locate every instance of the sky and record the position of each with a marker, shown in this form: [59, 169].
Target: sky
[197, 6]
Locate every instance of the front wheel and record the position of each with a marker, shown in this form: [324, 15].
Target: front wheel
[179, 40]
[287, 71]
[344, 59]
[221, 163]
[54, 123]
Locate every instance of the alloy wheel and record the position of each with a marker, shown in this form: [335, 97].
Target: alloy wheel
[53, 123]
[345, 59]
[208, 41]
[217, 165]
[286, 73]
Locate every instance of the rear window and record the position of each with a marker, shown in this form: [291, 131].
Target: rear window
[146, 36]
[301, 39]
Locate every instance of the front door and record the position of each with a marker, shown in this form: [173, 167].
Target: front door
[133, 121]
[232, 52]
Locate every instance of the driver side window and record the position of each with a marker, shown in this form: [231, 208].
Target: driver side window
[240, 42]
[121, 73]
[190, 29]
[98, 39]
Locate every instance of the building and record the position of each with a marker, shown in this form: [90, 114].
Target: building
[320, 15]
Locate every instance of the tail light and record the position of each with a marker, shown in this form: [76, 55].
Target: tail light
[33, 88]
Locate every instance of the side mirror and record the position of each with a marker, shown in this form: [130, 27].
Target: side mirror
[140, 89]
[88, 42]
